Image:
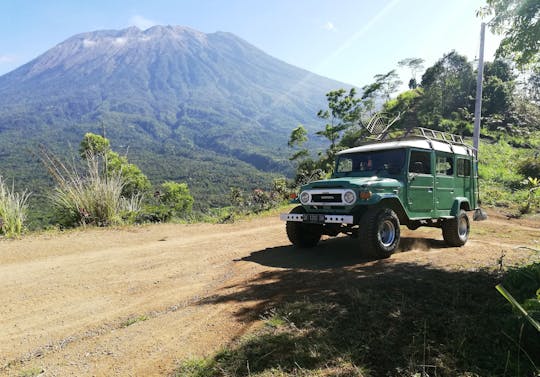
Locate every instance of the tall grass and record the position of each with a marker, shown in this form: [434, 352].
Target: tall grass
[87, 195]
[13, 209]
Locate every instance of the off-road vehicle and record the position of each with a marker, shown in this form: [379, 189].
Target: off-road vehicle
[421, 178]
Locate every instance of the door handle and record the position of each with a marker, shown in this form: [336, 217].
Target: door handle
[430, 189]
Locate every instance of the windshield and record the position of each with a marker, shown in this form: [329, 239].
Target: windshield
[388, 162]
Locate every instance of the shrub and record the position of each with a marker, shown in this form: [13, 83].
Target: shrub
[90, 197]
[135, 182]
[529, 167]
[177, 197]
[13, 209]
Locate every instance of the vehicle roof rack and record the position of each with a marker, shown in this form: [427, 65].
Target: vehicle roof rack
[421, 133]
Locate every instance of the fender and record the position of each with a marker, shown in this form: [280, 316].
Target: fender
[394, 202]
[460, 203]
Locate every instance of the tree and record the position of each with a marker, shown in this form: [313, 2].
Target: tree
[135, 182]
[518, 21]
[532, 85]
[415, 65]
[344, 111]
[296, 140]
[387, 83]
[448, 85]
[177, 197]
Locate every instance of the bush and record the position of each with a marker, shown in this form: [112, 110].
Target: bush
[135, 182]
[88, 197]
[13, 209]
[176, 197]
[529, 167]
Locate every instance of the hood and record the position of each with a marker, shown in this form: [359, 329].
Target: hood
[353, 182]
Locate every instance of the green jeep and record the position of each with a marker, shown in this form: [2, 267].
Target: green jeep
[423, 178]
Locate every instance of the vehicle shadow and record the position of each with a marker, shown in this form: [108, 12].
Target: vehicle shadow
[332, 253]
[354, 308]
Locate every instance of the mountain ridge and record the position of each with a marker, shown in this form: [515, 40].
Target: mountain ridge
[173, 95]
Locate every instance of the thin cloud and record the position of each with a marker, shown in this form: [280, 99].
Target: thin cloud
[329, 26]
[7, 59]
[141, 22]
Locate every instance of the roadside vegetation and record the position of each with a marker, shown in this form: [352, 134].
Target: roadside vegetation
[103, 188]
[13, 209]
[409, 320]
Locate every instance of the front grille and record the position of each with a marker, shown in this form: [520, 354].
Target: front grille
[326, 198]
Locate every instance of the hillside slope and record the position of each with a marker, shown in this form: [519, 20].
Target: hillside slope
[208, 108]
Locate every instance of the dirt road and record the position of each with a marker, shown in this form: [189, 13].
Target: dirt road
[135, 301]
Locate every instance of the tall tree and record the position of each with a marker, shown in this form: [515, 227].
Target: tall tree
[344, 110]
[499, 86]
[387, 83]
[415, 65]
[448, 85]
[519, 22]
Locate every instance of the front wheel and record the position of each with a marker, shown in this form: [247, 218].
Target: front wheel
[303, 235]
[379, 230]
[456, 231]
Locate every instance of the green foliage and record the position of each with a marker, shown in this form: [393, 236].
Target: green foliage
[154, 213]
[448, 85]
[105, 190]
[85, 197]
[13, 210]
[530, 167]
[524, 284]
[298, 137]
[135, 182]
[506, 185]
[258, 200]
[93, 144]
[177, 197]
[517, 21]
[415, 65]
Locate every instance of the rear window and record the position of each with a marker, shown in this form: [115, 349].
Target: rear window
[463, 167]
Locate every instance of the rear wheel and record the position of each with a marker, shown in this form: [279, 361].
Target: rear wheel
[456, 231]
[303, 235]
[379, 230]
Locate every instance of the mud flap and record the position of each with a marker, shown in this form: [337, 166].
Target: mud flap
[479, 214]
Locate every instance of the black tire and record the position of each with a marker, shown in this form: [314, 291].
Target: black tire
[303, 235]
[379, 232]
[456, 231]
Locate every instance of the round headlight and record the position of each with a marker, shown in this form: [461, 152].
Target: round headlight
[304, 197]
[349, 197]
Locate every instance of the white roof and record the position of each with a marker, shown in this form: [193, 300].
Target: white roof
[411, 143]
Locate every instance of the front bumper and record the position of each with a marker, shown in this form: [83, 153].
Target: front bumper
[318, 219]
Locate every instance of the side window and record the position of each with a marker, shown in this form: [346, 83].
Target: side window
[463, 167]
[420, 162]
[445, 165]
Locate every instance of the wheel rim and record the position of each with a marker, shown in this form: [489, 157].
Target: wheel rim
[463, 228]
[387, 233]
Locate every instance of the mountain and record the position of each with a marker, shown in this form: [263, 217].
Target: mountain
[209, 109]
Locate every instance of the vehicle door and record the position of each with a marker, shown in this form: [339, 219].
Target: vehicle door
[464, 178]
[444, 181]
[420, 182]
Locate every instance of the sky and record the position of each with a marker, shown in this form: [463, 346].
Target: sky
[346, 40]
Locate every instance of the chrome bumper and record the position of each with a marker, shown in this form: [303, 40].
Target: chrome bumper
[328, 219]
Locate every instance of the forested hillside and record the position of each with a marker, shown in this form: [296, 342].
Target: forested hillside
[210, 110]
